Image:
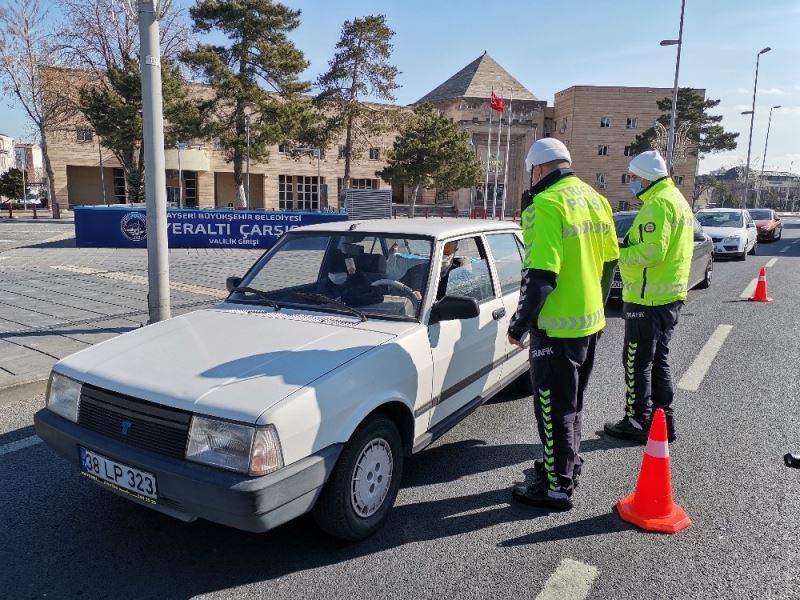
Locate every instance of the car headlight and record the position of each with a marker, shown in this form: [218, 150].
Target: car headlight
[64, 396]
[731, 238]
[234, 446]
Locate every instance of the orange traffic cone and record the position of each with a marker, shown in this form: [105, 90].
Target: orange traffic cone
[761, 288]
[650, 506]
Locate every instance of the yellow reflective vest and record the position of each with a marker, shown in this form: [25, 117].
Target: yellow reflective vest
[655, 262]
[569, 230]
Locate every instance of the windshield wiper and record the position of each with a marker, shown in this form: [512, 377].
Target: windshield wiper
[327, 300]
[260, 293]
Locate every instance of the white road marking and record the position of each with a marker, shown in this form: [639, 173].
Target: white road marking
[795, 242]
[694, 375]
[130, 278]
[20, 444]
[771, 262]
[785, 249]
[572, 580]
[749, 290]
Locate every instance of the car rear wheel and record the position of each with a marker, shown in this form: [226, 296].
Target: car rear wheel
[709, 274]
[363, 487]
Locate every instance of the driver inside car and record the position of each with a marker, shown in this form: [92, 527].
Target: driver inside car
[346, 283]
[416, 277]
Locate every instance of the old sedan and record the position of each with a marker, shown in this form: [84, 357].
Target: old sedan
[344, 349]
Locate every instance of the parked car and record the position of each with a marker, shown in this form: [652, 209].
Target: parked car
[768, 224]
[329, 363]
[702, 260]
[29, 201]
[732, 230]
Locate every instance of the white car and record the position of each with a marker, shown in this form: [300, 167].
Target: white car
[732, 230]
[345, 348]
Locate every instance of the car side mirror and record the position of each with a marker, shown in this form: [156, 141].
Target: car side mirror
[454, 308]
[751, 225]
[232, 282]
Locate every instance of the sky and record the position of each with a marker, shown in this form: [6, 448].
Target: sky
[549, 46]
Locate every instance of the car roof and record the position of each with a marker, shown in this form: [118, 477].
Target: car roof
[721, 210]
[437, 228]
[625, 213]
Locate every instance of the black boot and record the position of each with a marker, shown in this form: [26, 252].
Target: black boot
[538, 495]
[626, 430]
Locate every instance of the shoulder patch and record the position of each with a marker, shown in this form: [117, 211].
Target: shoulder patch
[650, 227]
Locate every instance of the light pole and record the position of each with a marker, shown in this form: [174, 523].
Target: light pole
[247, 129]
[752, 118]
[102, 175]
[180, 146]
[673, 114]
[764, 158]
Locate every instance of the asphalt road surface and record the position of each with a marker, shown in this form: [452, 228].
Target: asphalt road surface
[454, 532]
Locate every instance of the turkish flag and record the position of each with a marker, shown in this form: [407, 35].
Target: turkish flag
[497, 103]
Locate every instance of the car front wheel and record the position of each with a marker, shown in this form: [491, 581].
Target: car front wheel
[363, 487]
[753, 249]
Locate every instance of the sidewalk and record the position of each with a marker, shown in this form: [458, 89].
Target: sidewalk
[56, 299]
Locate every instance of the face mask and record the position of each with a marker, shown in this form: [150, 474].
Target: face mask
[337, 278]
[636, 187]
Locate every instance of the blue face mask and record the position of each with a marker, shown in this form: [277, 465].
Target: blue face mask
[636, 187]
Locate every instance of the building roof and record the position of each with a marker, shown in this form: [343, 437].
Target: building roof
[477, 80]
[436, 227]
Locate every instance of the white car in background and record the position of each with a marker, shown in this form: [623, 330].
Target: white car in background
[732, 230]
[345, 348]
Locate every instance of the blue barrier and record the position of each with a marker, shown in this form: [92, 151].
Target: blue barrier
[126, 227]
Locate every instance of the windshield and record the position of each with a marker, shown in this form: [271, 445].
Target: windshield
[623, 223]
[761, 214]
[730, 219]
[368, 274]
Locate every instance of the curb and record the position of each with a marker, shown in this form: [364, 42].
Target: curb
[21, 391]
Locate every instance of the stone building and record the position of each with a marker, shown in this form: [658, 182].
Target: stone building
[598, 124]
[7, 160]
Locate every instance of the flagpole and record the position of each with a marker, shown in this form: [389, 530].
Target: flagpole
[488, 157]
[505, 167]
[497, 156]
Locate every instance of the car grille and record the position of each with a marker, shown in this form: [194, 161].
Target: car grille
[716, 239]
[134, 422]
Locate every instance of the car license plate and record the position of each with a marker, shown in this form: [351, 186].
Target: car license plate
[616, 284]
[118, 476]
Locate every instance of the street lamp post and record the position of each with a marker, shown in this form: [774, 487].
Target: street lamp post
[247, 128]
[673, 114]
[752, 118]
[180, 146]
[102, 175]
[764, 158]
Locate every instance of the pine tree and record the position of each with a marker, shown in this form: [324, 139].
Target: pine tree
[431, 151]
[256, 74]
[359, 69]
[705, 134]
[11, 185]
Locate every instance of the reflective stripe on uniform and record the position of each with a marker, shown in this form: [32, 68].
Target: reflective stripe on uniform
[570, 323]
[584, 228]
[630, 390]
[547, 426]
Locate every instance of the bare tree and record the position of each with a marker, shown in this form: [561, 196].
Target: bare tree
[26, 46]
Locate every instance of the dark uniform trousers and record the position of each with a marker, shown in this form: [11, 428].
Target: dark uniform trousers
[560, 368]
[645, 354]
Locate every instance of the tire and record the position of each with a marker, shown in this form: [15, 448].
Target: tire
[742, 256]
[780, 234]
[524, 383]
[703, 285]
[753, 249]
[335, 511]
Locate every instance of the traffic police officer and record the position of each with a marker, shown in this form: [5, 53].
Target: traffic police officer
[570, 252]
[655, 259]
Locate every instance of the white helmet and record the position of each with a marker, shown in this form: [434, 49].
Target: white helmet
[545, 150]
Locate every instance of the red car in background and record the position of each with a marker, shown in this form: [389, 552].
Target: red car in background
[768, 224]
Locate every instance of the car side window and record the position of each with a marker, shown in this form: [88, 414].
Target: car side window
[507, 260]
[468, 274]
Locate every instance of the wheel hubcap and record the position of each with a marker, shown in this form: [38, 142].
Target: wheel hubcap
[372, 478]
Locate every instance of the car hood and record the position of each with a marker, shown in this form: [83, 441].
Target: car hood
[764, 223]
[723, 232]
[230, 363]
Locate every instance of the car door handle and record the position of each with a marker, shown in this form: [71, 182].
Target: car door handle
[498, 313]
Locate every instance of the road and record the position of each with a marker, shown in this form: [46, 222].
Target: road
[454, 532]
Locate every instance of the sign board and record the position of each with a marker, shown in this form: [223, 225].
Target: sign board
[126, 227]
